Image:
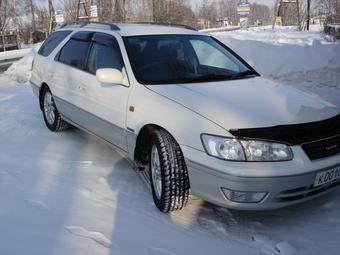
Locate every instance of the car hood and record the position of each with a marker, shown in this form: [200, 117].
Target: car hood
[248, 103]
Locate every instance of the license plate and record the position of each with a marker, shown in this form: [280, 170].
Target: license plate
[327, 176]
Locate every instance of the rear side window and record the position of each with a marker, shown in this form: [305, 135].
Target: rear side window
[52, 41]
[104, 55]
[74, 53]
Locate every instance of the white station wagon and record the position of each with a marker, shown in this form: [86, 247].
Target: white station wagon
[190, 114]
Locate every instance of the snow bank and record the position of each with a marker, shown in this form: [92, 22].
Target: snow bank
[282, 51]
[20, 71]
[14, 54]
[280, 35]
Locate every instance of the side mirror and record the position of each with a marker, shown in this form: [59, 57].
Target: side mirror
[110, 75]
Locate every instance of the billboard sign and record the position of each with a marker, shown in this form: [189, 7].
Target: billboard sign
[243, 8]
[59, 17]
[244, 22]
[93, 11]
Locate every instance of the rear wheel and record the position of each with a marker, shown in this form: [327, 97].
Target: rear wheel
[168, 173]
[52, 117]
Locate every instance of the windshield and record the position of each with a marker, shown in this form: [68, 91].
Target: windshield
[169, 59]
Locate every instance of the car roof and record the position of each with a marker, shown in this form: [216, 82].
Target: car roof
[147, 29]
[132, 29]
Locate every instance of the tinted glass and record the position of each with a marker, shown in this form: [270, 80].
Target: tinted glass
[210, 56]
[74, 53]
[168, 59]
[104, 56]
[52, 41]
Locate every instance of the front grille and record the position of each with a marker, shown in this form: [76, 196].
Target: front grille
[303, 192]
[322, 148]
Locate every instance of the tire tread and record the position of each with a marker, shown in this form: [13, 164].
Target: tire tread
[176, 180]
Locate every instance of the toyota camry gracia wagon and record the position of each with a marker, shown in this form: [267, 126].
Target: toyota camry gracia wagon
[190, 115]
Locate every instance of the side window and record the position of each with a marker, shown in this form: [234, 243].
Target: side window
[74, 53]
[105, 54]
[52, 41]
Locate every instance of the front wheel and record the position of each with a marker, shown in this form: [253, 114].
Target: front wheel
[52, 117]
[168, 173]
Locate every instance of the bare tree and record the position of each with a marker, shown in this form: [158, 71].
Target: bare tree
[118, 11]
[260, 14]
[30, 7]
[329, 8]
[5, 13]
[70, 8]
[42, 18]
[105, 10]
[207, 13]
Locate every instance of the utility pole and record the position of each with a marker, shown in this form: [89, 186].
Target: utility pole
[82, 10]
[308, 14]
[33, 15]
[298, 14]
[154, 10]
[277, 11]
[124, 11]
[52, 16]
[18, 23]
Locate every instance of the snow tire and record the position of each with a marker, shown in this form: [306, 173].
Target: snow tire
[174, 174]
[57, 124]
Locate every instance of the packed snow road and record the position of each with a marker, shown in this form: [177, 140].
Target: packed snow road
[68, 193]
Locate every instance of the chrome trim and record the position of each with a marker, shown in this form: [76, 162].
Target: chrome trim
[93, 124]
[91, 133]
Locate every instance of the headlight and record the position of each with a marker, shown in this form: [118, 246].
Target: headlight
[224, 148]
[266, 151]
[245, 150]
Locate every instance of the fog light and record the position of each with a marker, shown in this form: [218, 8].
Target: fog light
[244, 196]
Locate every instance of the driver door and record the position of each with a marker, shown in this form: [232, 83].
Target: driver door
[105, 104]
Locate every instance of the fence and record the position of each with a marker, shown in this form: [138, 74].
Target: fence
[9, 41]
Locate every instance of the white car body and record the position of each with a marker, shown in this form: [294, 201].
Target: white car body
[117, 113]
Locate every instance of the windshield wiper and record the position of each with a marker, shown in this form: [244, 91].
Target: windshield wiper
[210, 77]
[244, 74]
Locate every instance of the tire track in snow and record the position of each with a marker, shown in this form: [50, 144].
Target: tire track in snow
[159, 251]
[95, 236]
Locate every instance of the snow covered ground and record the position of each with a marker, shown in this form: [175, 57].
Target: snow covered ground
[301, 59]
[14, 54]
[68, 193]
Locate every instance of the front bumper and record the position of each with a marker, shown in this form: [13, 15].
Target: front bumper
[207, 181]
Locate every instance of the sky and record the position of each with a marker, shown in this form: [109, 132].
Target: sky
[267, 2]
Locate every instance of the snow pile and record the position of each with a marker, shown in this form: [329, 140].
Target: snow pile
[20, 71]
[280, 35]
[14, 54]
[305, 60]
[283, 51]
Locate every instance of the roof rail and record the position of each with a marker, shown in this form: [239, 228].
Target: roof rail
[111, 26]
[166, 24]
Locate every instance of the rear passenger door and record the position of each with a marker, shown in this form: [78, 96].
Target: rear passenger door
[70, 64]
[42, 69]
